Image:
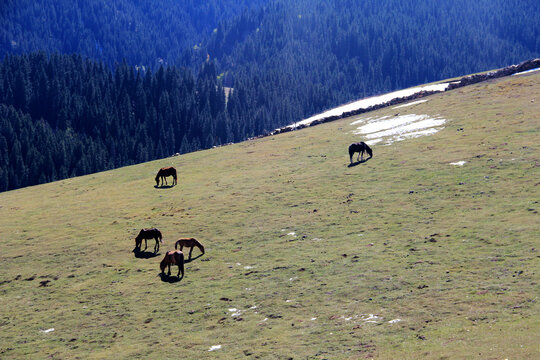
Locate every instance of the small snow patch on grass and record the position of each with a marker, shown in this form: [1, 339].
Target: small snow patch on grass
[458, 163]
[398, 128]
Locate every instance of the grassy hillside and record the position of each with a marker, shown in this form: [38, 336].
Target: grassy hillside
[305, 257]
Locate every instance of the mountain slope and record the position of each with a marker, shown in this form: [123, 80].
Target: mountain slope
[403, 256]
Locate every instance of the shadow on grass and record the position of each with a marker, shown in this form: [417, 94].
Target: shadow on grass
[358, 162]
[164, 186]
[194, 258]
[144, 254]
[170, 279]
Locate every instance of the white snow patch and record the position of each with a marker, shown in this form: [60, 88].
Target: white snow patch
[248, 267]
[292, 233]
[214, 347]
[314, 318]
[47, 331]
[410, 104]
[374, 100]
[394, 321]
[372, 318]
[397, 128]
[458, 163]
[526, 72]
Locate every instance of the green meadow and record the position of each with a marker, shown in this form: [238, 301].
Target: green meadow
[404, 256]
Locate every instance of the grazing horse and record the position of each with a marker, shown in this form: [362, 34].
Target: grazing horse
[163, 173]
[146, 234]
[360, 148]
[173, 257]
[190, 243]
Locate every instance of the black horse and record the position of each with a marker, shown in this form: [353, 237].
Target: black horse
[146, 234]
[163, 173]
[360, 147]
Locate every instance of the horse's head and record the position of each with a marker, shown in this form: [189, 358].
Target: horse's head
[369, 151]
[163, 264]
[157, 180]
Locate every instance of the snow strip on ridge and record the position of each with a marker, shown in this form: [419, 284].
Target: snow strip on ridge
[371, 101]
[410, 104]
[526, 72]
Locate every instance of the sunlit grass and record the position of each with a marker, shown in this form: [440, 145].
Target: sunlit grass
[302, 246]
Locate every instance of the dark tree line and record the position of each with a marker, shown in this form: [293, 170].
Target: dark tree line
[66, 115]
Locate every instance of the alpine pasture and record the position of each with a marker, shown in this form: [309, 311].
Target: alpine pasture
[428, 250]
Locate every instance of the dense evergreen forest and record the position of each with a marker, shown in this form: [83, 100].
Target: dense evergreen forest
[92, 85]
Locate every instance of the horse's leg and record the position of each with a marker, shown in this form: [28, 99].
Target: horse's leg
[145, 244]
[190, 251]
[169, 273]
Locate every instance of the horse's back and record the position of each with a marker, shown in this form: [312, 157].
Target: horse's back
[150, 232]
[175, 257]
[189, 242]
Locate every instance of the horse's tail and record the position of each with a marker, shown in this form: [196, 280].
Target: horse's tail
[181, 263]
[160, 237]
[351, 151]
[176, 244]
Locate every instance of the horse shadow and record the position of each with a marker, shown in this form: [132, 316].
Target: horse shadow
[358, 162]
[170, 278]
[144, 254]
[187, 261]
[164, 186]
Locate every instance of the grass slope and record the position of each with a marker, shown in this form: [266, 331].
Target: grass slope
[452, 252]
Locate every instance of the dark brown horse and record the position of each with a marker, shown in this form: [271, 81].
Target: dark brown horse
[360, 147]
[163, 173]
[146, 234]
[173, 257]
[190, 243]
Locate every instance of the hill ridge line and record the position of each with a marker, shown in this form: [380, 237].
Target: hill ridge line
[461, 82]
